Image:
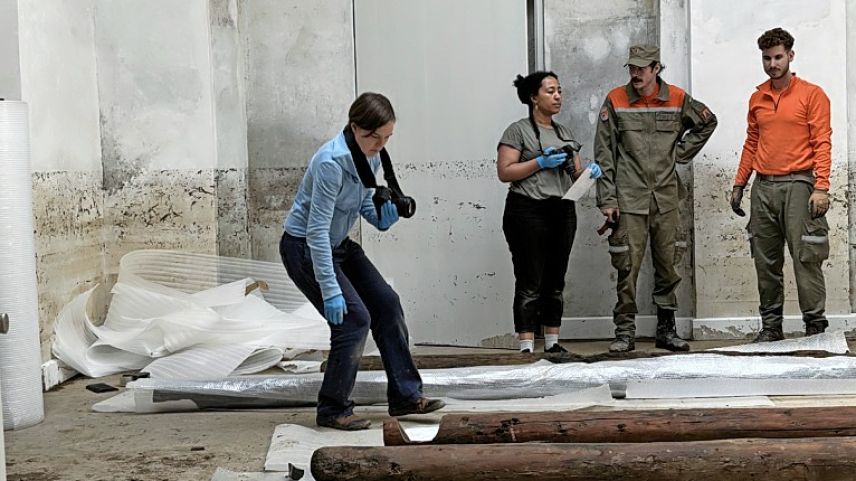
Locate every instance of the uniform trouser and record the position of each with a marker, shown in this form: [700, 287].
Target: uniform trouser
[372, 304]
[627, 249]
[540, 234]
[780, 215]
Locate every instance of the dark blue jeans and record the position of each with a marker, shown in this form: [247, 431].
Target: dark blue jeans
[540, 234]
[372, 304]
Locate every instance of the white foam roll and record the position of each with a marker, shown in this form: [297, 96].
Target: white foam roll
[20, 355]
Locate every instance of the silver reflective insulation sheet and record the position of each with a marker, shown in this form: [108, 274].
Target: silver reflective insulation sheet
[506, 382]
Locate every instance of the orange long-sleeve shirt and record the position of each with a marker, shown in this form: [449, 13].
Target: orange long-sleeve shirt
[788, 131]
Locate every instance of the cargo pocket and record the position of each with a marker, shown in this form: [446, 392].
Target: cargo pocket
[619, 251]
[751, 239]
[680, 251]
[814, 242]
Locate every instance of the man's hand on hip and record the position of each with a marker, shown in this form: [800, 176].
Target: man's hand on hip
[611, 213]
[818, 203]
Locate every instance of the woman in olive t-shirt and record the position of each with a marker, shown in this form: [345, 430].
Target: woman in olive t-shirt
[539, 226]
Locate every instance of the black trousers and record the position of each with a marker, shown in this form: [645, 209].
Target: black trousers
[540, 234]
[372, 306]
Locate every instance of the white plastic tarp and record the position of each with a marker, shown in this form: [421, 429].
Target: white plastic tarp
[173, 332]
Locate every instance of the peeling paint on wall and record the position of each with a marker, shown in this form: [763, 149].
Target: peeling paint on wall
[270, 195]
[68, 210]
[174, 209]
[233, 236]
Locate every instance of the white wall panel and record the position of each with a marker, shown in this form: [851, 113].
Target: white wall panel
[447, 67]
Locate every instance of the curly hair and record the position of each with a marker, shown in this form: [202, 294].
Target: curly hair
[774, 37]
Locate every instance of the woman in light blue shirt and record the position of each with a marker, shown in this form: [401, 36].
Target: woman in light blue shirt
[335, 274]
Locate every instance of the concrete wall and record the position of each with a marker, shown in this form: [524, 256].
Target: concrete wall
[58, 72]
[299, 84]
[586, 44]
[228, 66]
[851, 140]
[10, 66]
[449, 78]
[157, 126]
[723, 40]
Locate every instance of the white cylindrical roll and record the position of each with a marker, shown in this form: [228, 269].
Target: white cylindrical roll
[20, 355]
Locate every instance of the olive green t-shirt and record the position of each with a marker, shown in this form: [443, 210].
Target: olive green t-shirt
[545, 183]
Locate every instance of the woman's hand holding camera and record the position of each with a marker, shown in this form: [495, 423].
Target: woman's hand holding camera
[550, 159]
[388, 215]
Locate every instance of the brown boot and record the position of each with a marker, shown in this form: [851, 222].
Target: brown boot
[345, 423]
[422, 406]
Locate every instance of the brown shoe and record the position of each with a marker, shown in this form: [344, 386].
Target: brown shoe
[422, 406]
[345, 423]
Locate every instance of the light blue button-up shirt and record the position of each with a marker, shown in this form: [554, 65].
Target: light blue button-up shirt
[328, 201]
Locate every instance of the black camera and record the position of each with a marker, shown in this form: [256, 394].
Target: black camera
[406, 206]
[571, 148]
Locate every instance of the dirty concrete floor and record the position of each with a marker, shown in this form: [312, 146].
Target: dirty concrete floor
[75, 444]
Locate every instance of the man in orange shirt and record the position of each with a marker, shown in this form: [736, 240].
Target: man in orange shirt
[788, 146]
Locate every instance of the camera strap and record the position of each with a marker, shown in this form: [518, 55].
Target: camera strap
[364, 170]
[538, 131]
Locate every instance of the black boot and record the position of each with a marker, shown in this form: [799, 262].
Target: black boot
[815, 327]
[769, 334]
[622, 343]
[666, 337]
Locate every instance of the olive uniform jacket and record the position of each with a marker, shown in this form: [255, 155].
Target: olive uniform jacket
[639, 142]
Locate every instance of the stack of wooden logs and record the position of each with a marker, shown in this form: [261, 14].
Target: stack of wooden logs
[759, 444]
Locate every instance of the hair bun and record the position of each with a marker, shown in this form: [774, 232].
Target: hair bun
[522, 90]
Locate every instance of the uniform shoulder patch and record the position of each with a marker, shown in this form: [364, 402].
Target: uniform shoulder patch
[604, 114]
[706, 113]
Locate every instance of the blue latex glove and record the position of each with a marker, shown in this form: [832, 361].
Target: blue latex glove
[388, 215]
[335, 310]
[549, 160]
[596, 171]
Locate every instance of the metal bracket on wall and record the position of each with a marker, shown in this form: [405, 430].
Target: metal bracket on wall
[4, 323]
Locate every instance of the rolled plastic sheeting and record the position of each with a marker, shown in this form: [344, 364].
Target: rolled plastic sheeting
[169, 334]
[191, 273]
[20, 354]
[833, 342]
[194, 316]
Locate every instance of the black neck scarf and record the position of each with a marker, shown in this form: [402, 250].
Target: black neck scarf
[364, 170]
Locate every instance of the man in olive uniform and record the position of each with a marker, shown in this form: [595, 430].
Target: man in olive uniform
[645, 128]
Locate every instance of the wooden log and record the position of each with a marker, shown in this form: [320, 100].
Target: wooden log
[804, 459]
[662, 425]
[446, 361]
